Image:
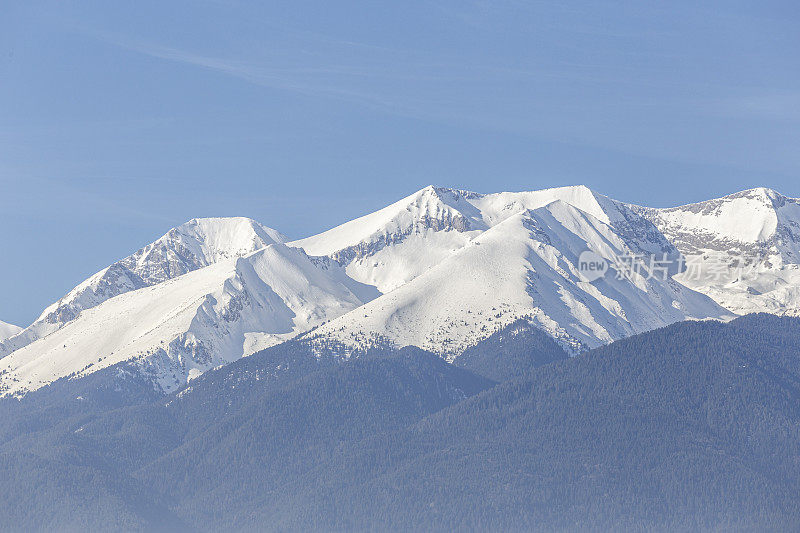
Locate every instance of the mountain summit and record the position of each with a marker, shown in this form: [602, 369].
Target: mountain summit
[8, 330]
[188, 247]
[525, 266]
[747, 245]
[441, 269]
[206, 293]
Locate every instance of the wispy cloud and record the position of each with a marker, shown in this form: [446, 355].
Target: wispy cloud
[555, 100]
[331, 81]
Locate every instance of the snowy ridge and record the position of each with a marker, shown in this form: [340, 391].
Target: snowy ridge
[755, 219]
[177, 329]
[753, 234]
[8, 330]
[440, 269]
[392, 246]
[425, 209]
[523, 267]
[195, 244]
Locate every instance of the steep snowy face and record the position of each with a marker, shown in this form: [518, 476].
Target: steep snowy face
[429, 208]
[181, 327]
[8, 330]
[525, 266]
[441, 269]
[392, 246]
[196, 244]
[743, 249]
[754, 221]
[637, 230]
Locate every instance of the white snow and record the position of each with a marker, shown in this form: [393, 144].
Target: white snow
[195, 244]
[405, 215]
[745, 217]
[757, 229]
[394, 245]
[499, 206]
[191, 323]
[8, 330]
[525, 266]
[441, 269]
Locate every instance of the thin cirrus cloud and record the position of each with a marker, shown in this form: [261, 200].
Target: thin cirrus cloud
[407, 83]
[429, 87]
[325, 81]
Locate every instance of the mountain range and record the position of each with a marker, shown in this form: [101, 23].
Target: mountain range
[441, 269]
[695, 426]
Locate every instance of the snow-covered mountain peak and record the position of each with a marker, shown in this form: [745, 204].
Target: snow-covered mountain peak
[401, 241]
[431, 208]
[183, 249]
[455, 193]
[215, 239]
[184, 326]
[743, 220]
[525, 266]
[445, 209]
[762, 194]
[393, 245]
[441, 269]
[8, 330]
[637, 230]
[498, 206]
[197, 243]
[746, 248]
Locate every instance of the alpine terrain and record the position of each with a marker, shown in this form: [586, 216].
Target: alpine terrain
[8, 330]
[441, 269]
[743, 250]
[205, 294]
[695, 426]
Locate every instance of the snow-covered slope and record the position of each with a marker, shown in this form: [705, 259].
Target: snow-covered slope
[392, 246]
[196, 244]
[181, 327]
[525, 265]
[440, 269]
[743, 250]
[8, 330]
[636, 230]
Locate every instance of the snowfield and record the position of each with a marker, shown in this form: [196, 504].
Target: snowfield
[194, 245]
[525, 266]
[177, 329]
[750, 246]
[440, 269]
[8, 330]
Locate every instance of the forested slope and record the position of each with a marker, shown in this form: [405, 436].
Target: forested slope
[693, 426]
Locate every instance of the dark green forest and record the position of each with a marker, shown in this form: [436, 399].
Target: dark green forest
[691, 427]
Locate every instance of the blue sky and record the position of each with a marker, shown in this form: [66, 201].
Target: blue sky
[121, 120]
